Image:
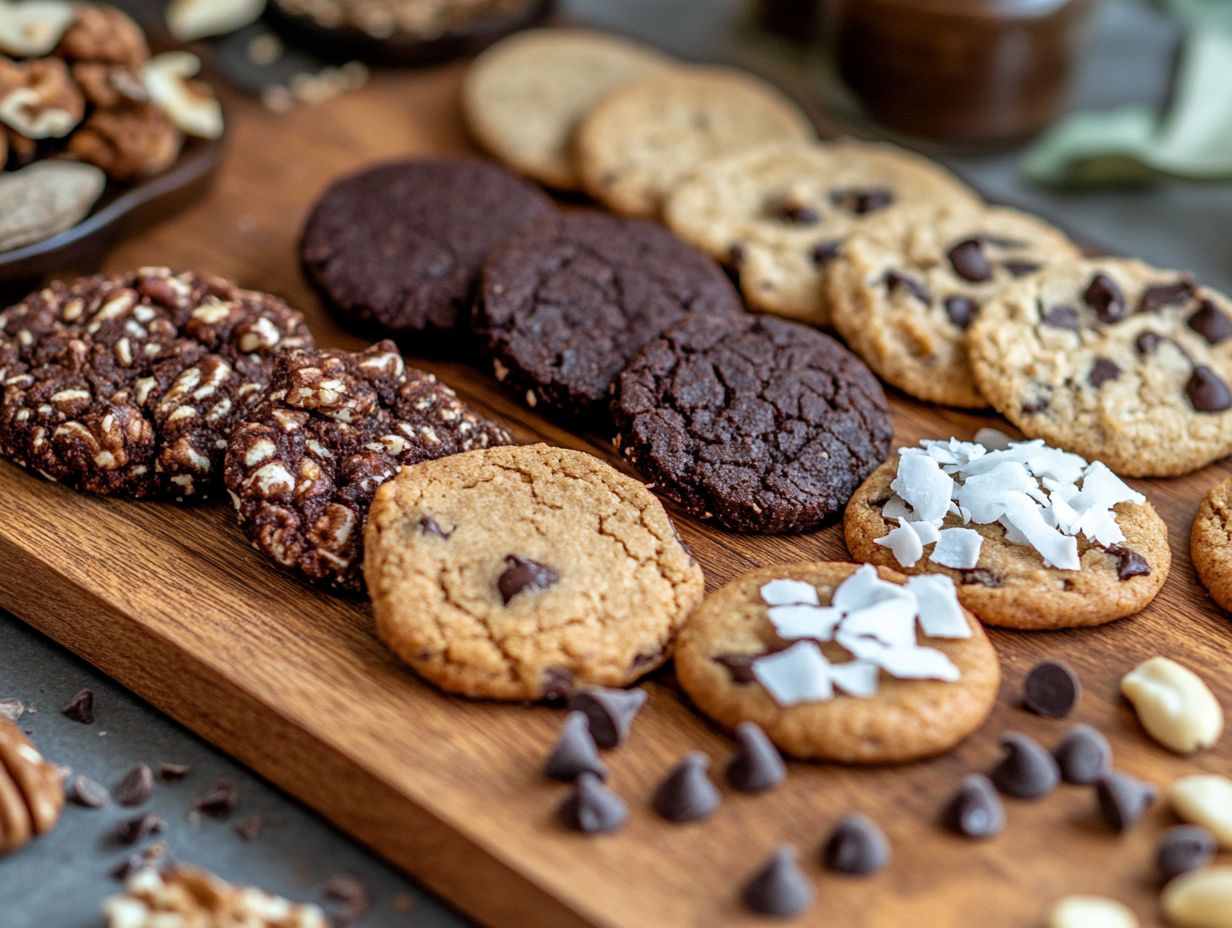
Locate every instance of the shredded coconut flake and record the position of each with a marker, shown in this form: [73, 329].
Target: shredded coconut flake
[940, 615]
[804, 621]
[855, 678]
[958, 548]
[788, 593]
[799, 674]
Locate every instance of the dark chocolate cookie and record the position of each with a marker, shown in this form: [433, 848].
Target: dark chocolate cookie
[398, 248]
[303, 466]
[566, 302]
[763, 425]
[128, 385]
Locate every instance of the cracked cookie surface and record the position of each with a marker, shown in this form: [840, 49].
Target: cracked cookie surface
[128, 385]
[762, 424]
[303, 465]
[1210, 542]
[519, 573]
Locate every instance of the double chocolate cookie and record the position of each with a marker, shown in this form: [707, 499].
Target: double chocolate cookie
[570, 299]
[761, 424]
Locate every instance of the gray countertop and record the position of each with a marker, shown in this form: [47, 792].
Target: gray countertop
[59, 880]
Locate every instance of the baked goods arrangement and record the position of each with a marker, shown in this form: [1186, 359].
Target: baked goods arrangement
[526, 572]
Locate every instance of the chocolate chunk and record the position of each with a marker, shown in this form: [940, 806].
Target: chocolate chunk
[1027, 771]
[1105, 297]
[575, 751]
[979, 576]
[610, 712]
[1036, 406]
[824, 252]
[592, 808]
[687, 794]
[961, 310]
[1123, 800]
[756, 765]
[1129, 562]
[778, 888]
[429, 526]
[173, 773]
[1060, 317]
[138, 828]
[85, 792]
[797, 213]
[219, 802]
[522, 574]
[139, 860]
[975, 811]
[1209, 321]
[1083, 755]
[1103, 370]
[1148, 341]
[1051, 689]
[80, 708]
[1020, 268]
[969, 262]
[249, 829]
[856, 846]
[557, 684]
[894, 280]
[136, 788]
[1162, 295]
[12, 709]
[1181, 849]
[738, 666]
[862, 202]
[1206, 392]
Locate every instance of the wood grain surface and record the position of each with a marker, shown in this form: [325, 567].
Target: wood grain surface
[174, 604]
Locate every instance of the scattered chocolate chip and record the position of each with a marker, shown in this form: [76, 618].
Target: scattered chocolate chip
[824, 252]
[80, 708]
[86, 792]
[979, 576]
[961, 311]
[894, 280]
[1206, 392]
[1036, 406]
[1162, 295]
[1181, 849]
[738, 666]
[1060, 317]
[1051, 689]
[249, 829]
[140, 860]
[1209, 321]
[1103, 370]
[975, 811]
[173, 773]
[1148, 341]
[12, 709]
[1018, 268]
[140, 827]
[756, 765]
[522, 574]
[1083, 755]
[429, 526]
[136, 788]
[557, 684]
[610, 712]
[735, 254]
[862, 202]
[687, 794]
[778, 888]
[1129, 562]
[591, 807]
[352, 895]
[1105, 297]
[1122, 800]
[575, 751]
[856, 846]
[798, 213]
[1027, 771]
[969, 262]
[219, 802]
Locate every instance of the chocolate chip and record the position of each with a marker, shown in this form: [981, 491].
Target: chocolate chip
[1206, 392]
[219, 802]
[756, 765]
[778, 888]
[735, 253]
[575, 751]
[591, 807]
[1061, 317]
[352, 895]
[894, 280]
[1036, 406]
[522, 575]
[85, 792]
[1162, 295]
[610, 712]
[1148, 341]
[975, 811]
[1105, 297]
[1103, 370]
[1123, 800]
[862, 202]
[139, 860]
[136, 788]
[1181, 849]
[12, 709]
[1209, 321]
[961, 310]
[687, 794]
[969, 262]
[173, 773]
[1020, 268]
[1051, 689]
[557, 684]
[1129, 562]
[80, 708]
[1027, 771]
[856, 847]
[249, 829]
[1083, 755]
[138, 828]
[738, 666]
[979, 576]
[797, 213]
[824, 252]
[429, 526]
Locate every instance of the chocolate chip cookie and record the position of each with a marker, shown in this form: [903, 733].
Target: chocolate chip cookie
[1114, 359]
[906, 286]
[569, 300]
[303, 465]
[397, 248]
[129, 384]
[520, 573]
[761, 424]
[778, 213]
[1210, 542]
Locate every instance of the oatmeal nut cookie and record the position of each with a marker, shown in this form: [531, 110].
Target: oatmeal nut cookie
[127, 142]
[31, 794]
[303, 464]
[1210, 542]
[186, 897]
[520, 573]
[105, 35]
[128, 385]
[40, 100]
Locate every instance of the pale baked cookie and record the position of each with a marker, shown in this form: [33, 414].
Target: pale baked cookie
[639, 142]
[519, 573]
[1210, 542]
[1113, 359]
[1034, 537]
[906, 286]
[524, 97]
[779, 212]
[827, 658]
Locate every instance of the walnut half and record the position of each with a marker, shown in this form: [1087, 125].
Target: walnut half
[30, 790]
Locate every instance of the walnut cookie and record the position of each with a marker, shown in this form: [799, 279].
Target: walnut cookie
[518, 573]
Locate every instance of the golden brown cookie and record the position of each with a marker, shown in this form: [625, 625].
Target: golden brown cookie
[1210, 542]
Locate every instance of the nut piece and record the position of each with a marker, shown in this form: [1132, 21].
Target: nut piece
[45, 198]
[1091, 912]
[190, 105]
[45, 104]
[31, 795]
[33, 27]
[128, 141]
[109, 85]
[1205, 800]
[1174, 706]
[190, 20]
[106, 35]
[1200, 899]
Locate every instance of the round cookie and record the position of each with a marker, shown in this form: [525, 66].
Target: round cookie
[758, 423]
[568, 301]
[1210, 542]
[908, 283]
[524, 97]
[779, 212]
[303, 465]
[398, 248]
[903, 720]
[644, 137]
[1112, 359]
[519, 573]
[129, 384]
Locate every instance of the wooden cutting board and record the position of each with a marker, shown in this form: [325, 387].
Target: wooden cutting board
[174, 604]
